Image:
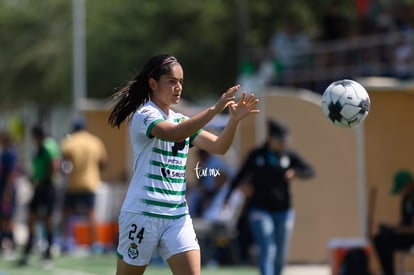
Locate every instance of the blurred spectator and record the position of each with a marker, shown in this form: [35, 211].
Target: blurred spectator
[8, 172]
[390, 238]
[44, 163]
[84, 155]
[215, 223]
[269, 170]
[381, 16]
[216, 212]
[289, 47]
[212, 172]
[404, 57]
[223, 218]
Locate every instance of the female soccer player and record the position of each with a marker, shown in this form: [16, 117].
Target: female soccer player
[154, 215]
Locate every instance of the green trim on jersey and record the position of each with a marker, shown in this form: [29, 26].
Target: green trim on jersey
[192, 137]
[155, 122]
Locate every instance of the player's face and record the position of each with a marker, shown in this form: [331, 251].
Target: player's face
[167, 90]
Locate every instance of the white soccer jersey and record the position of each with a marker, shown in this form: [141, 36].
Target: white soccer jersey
[158, 183]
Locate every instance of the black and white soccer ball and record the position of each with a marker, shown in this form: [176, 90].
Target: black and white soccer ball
[345, 103]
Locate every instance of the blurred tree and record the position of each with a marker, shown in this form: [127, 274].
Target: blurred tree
[36, 46]
[121, 36]
[34, 51]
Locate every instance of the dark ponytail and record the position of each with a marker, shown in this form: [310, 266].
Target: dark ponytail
[136, 92]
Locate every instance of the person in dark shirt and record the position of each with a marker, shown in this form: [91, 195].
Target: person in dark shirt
[390, 238]
[45, 163]
[269, 170]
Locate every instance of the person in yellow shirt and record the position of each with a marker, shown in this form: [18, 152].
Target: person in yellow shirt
[84, 156]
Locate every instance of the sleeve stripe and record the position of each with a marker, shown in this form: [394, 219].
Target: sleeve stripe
[152, 125]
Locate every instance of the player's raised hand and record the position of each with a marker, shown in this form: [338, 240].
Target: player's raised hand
[245, 106]
[227, 98]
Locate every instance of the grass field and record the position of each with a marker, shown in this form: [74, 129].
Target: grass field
[98, 265]
[105, 265]
[86, 265]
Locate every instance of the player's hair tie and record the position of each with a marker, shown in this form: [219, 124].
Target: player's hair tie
[168, 60]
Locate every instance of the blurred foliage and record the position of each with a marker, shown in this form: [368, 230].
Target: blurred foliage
[36, 45]
[35, 51]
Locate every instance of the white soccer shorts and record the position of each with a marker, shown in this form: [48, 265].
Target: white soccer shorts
[141, 236]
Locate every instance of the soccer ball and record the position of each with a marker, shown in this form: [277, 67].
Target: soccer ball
[345, 103]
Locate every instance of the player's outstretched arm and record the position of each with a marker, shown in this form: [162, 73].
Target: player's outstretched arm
[238, 111]
[178, 132]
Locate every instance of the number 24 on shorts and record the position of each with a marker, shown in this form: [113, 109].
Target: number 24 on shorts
[133, 231]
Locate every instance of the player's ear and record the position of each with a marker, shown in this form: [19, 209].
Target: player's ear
[152, 83]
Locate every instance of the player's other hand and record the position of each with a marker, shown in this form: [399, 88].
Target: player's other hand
[245, 106]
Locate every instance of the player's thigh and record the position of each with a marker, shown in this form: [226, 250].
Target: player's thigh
[139, 237]
[122, 268]
[178, 237]
[186, 263]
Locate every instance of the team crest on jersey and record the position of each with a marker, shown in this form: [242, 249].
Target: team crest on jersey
[133, 251]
